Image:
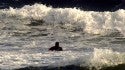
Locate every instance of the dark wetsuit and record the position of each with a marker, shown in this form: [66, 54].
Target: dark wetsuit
[56, 47]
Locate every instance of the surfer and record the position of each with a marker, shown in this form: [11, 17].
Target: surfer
[56, 47]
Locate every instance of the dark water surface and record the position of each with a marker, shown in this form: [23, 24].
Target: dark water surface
[90, 5]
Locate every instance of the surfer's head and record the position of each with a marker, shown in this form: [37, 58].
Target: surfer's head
[57, 44]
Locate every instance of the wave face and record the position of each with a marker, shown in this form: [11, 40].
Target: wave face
[89, 38]
[101, 23]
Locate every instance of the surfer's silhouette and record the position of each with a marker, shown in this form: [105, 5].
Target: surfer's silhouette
[56, 47]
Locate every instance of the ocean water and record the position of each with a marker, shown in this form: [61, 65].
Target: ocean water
[88, 38]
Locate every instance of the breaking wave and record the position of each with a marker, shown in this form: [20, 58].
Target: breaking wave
[91, 22]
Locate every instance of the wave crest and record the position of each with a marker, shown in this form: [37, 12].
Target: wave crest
[101, 23]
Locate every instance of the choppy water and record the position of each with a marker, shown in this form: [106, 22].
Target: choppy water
[88, 38]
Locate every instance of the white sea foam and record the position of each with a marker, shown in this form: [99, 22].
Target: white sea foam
[106, 57]
[92, 22]
[97, 58]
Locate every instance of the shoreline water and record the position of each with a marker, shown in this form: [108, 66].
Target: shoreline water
[74, 67]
